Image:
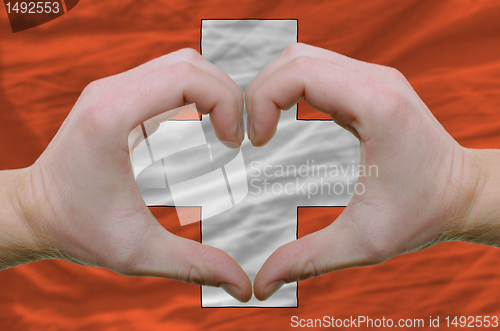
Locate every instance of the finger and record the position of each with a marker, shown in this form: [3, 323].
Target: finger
[184, 55]
[332, 248]
[166, 255]
[170, 88]
[300, 49]
[333, 90]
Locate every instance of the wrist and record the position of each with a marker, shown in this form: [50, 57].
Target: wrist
[480, 221]
[19, 243]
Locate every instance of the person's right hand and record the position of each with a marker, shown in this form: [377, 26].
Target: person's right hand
[426, 181]
[80, 202]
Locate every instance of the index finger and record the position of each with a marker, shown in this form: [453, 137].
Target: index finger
[300, 49]
[116, 114]
[183, 55]
[327, 87]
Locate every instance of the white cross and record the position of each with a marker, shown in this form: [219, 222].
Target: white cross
[290, 171]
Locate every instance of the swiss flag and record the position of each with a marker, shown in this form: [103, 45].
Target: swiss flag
[448, 51]
[249, 202]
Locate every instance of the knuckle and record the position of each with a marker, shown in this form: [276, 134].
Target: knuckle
[191, 274]
[310, 269]
[394, 74]
[391, 97]
[295, 49]
[397, 75]
[97, 103]
[181, 69]
[189, 54]
[388, 98]
[304, 63]
[99, 109]
[93, 88]
[195, 277]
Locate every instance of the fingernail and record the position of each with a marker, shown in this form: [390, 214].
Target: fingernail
[232, 290]
[272, 288]
[250, 129]
[241, 131]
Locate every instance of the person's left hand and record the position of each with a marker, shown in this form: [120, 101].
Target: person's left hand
[424, 185]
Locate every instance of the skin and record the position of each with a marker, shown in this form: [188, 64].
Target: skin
[79, 200]
[429, 189]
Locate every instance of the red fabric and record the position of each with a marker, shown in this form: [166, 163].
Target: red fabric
[448, 50]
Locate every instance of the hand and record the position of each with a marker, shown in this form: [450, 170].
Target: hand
[80, 200]
[425, 183]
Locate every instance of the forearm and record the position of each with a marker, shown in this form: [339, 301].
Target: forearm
[481, 223]
[18, 243]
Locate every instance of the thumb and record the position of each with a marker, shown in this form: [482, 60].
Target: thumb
[332, 248]
[169, 256]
